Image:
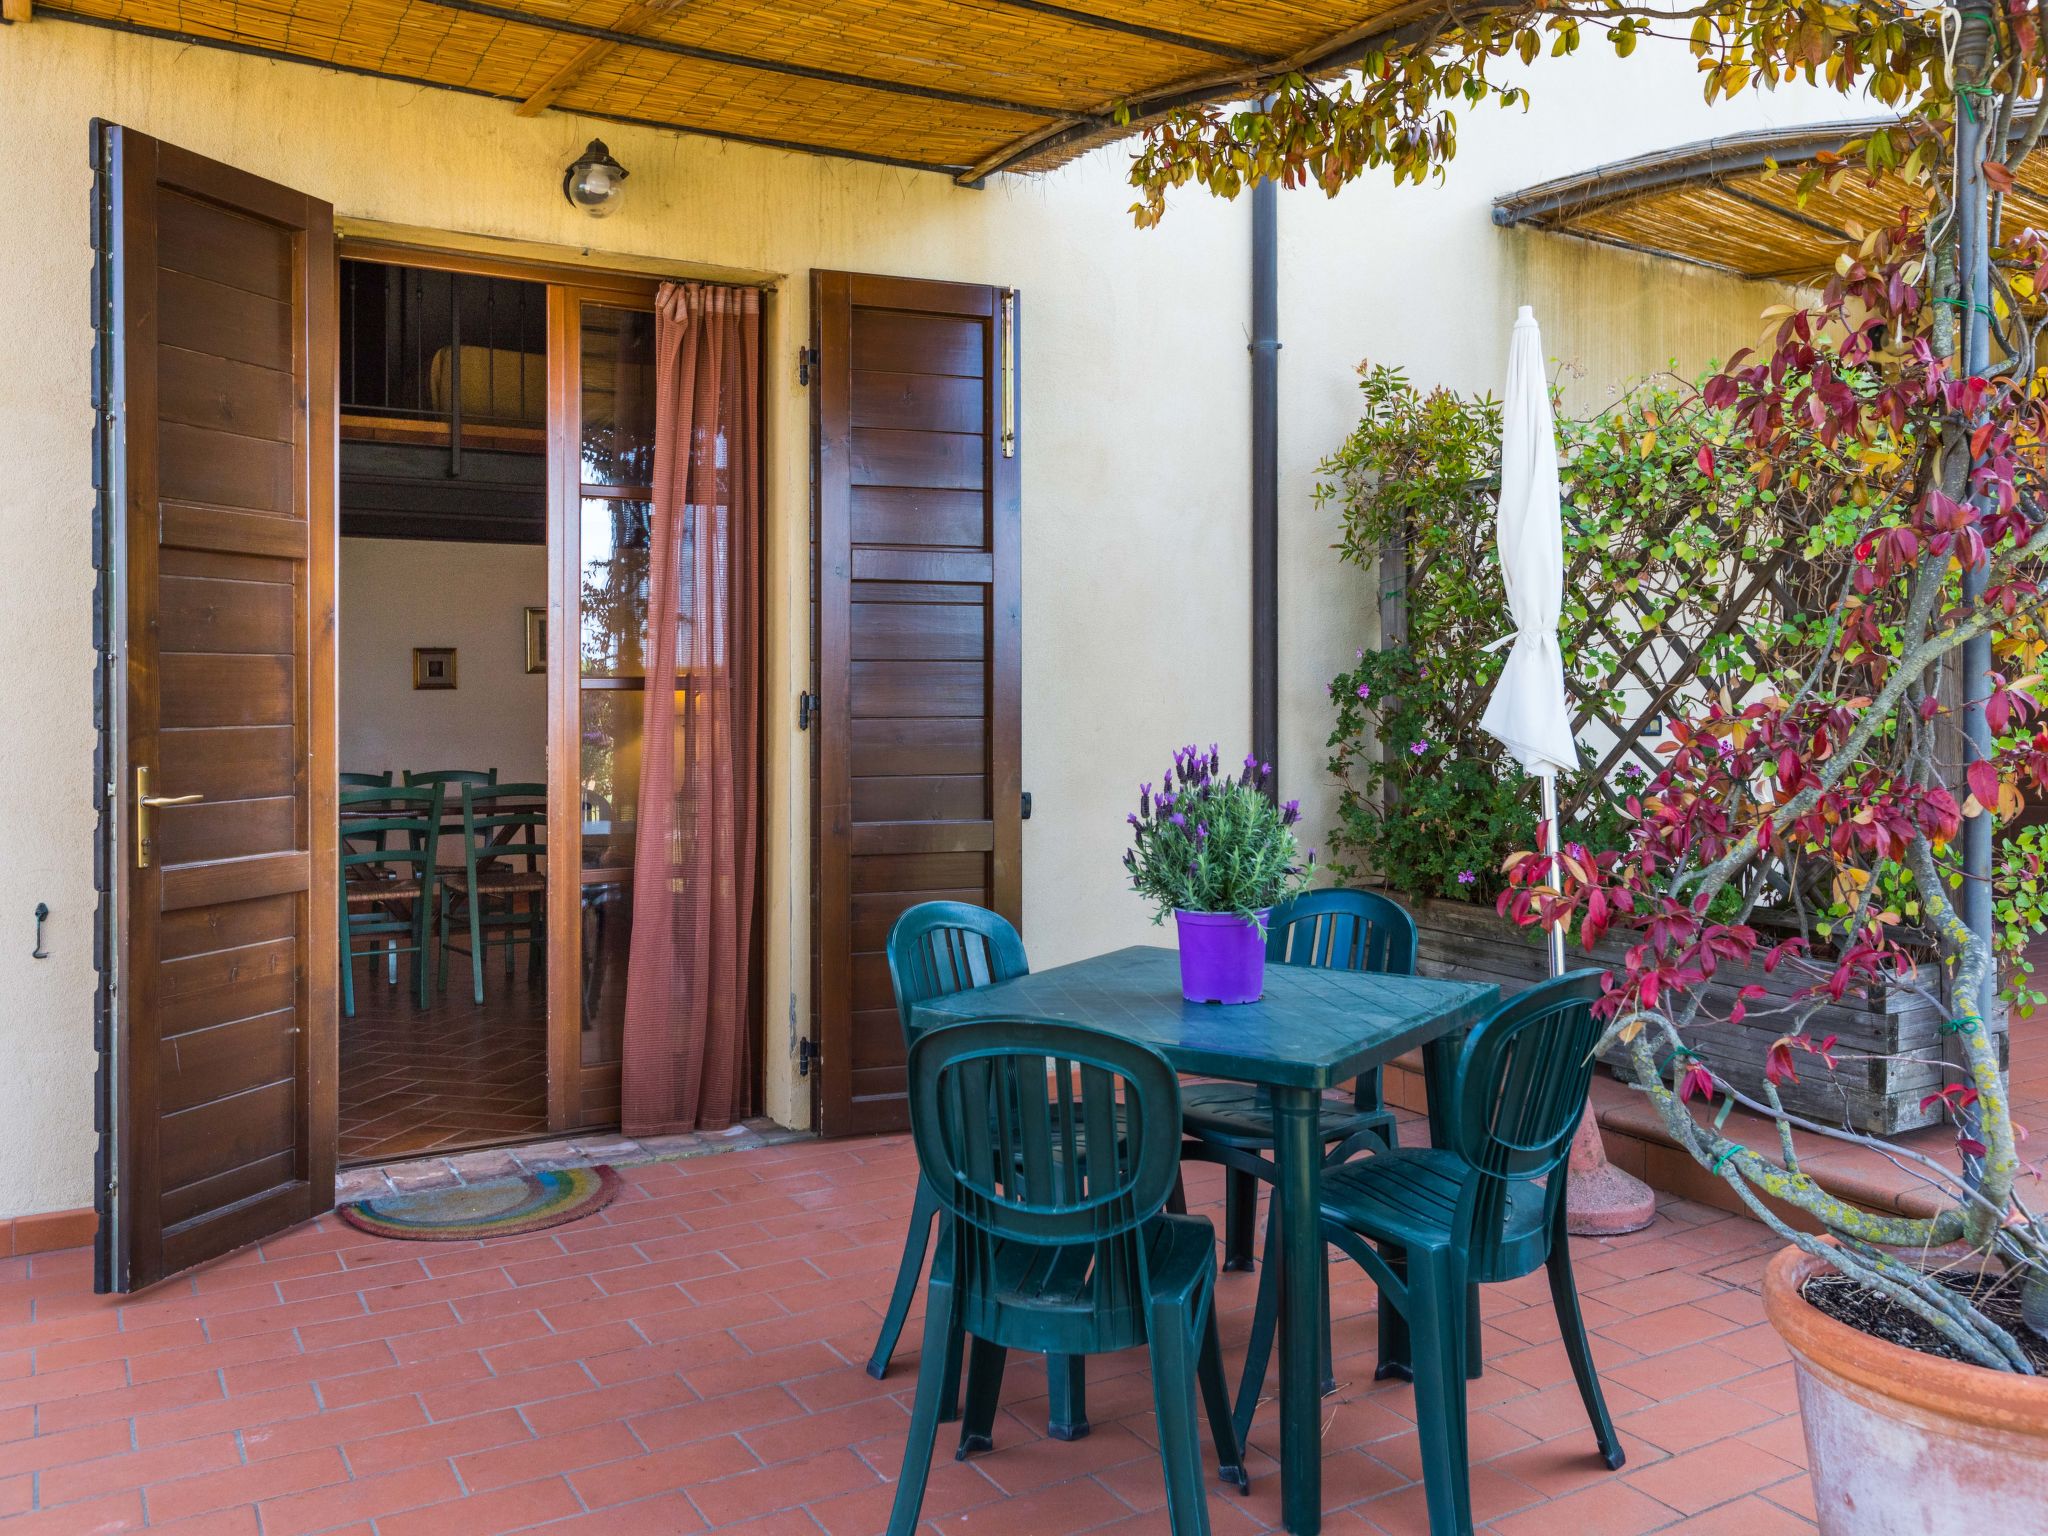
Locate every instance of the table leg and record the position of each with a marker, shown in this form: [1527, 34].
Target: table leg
[1297, 1155]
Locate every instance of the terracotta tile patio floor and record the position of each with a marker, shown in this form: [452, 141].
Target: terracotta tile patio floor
[691, 1360]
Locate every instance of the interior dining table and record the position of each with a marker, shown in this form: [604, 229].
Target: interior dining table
[1311, 1030]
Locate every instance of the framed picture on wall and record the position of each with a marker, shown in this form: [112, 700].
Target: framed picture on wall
[536, 639]
[433, 666]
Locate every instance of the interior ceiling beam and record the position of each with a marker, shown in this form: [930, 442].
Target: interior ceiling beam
[1401, 27]
[517, 18]
[631, 21]
[1137, 29]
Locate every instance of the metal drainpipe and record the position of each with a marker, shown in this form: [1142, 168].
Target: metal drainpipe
[1265, 350]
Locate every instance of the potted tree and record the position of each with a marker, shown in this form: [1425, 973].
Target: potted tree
[1917, 1340]
[1214, 850]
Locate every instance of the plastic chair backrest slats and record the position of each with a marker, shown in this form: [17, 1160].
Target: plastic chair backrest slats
[937, 948]
[1343, 930]
[1016, 1126]
[1519, 1092]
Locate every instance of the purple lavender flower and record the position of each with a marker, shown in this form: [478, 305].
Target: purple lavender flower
[1290, 813]
[1133, 819]
[1165, 801]
[1145, 798]
[1178, 820]
[1202, 832]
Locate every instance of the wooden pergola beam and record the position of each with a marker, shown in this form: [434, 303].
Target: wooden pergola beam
[14, 12]
[567, 27]
[551, 88]
[1395, 29]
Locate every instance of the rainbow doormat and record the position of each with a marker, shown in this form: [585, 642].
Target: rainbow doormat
[531, 1202]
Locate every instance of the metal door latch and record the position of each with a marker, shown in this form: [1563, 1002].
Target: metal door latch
[806, 710]
[807, 1056]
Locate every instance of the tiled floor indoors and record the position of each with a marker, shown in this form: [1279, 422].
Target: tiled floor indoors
[691, 1359]
[455, 1074]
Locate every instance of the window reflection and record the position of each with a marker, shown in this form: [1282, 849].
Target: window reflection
[615, 544]
[618, 396]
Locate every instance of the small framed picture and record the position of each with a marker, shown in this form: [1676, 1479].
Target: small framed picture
[433, 666]
[536, 639]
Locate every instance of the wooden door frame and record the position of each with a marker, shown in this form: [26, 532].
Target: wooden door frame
[569, 286]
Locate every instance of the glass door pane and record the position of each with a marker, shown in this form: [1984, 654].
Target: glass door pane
[615, 457]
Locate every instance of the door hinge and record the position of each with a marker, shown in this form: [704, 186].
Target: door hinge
[806, 361]
[806, 710]
[807, 1056]
[1026, 807]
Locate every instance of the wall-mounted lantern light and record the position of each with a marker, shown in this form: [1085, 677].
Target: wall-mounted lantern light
[593, 182]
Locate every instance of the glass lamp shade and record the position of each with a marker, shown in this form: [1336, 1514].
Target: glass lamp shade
[594, 182]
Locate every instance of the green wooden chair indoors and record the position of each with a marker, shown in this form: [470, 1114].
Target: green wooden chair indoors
[365, 780]
[1056, 1239]
[453, 778]
[500, 892]
[388, 844]
[937, 948]
[1488, 1207]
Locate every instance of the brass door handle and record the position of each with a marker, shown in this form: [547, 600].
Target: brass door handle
[145, 802]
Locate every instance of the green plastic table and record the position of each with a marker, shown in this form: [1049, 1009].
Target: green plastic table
[1312, 1030]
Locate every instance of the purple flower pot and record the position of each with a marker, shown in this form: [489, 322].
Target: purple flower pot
[1222, 957]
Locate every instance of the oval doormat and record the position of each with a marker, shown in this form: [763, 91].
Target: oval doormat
[532, 1202]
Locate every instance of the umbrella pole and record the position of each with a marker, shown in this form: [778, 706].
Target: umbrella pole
[1552, 844]
[1599, 1199]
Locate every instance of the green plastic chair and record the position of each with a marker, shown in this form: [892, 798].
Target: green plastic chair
[1056, 1239]
[1232, 1123]
[937, 948]
[1488, 1207]
[387, 891]
[504, 858]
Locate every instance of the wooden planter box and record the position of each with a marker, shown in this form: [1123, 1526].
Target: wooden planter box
[1880, 1097]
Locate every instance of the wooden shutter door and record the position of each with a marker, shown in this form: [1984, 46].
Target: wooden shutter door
[216, 388]
[916, 767]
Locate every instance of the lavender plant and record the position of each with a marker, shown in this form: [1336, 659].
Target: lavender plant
[1208, 841]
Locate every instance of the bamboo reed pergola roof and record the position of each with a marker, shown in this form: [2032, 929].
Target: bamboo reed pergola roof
[1733, 203]
[965, 87]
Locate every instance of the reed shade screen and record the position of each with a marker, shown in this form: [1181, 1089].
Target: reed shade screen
[961, 86]
[1733, 203]
[685, 1063]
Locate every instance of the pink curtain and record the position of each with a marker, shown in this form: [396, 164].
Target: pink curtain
[686, 1049]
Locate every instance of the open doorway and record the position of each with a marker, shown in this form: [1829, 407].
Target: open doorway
[443, 708]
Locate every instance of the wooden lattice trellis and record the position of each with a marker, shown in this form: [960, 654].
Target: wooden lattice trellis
[1661, 643]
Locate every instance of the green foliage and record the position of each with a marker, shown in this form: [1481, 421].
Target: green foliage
[1396, 108]
[1665, 554]
[1208, 841]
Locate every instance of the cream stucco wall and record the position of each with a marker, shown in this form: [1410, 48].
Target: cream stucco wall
[1134, 435]
[399, 593]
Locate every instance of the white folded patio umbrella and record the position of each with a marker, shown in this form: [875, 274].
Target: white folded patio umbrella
[1528, 712]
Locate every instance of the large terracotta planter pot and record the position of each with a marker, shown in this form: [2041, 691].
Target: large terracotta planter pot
[1904, 1444]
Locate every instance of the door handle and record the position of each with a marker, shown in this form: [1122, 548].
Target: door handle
[145, 802]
